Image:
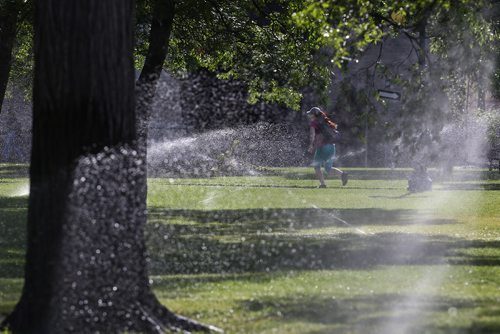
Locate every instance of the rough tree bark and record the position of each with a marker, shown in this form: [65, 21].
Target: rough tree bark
[9, 14]
[85, 266]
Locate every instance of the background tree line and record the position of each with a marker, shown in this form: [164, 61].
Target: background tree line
[281, 50]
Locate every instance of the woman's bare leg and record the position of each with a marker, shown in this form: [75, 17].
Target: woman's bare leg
[343, 175]
[334, 169]
[319, 175]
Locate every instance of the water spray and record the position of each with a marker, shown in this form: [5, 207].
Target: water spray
[341, 220]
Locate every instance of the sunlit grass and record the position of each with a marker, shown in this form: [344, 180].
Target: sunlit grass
[428, 259]
[357, 301]
[273, 254]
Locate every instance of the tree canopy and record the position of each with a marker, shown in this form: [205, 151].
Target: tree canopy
[279, 47]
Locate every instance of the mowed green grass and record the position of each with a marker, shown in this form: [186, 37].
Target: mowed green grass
[273, 254]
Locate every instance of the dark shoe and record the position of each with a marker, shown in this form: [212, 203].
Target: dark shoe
[344, 177]
[322, 186]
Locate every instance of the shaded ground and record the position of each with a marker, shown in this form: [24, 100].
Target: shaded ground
[358, 314]
[305, 269]
[13, 171]
[13, 213]
[394, 174]
[195, 241]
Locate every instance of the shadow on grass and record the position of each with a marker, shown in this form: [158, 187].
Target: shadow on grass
[388, 174]
[249, 185]
[287, 220]
[364, 312]
[386, 313]
[239, 185]
[447, 187]
[9, 171]
[240, 241]
[258, 242]
[196, 241]
[13, 212]
[470, 186]
[368, 174]
[405, 195]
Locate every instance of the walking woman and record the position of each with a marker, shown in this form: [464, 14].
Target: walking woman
[322, 143]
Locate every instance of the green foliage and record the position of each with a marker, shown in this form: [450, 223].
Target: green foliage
[422, 115]
[279, 47]
[495, 79]
[452, 68]
[492, 120]
[343, 27]
[21, 73]
[255, 43]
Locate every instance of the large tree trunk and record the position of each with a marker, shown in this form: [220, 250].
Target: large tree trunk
[86, 262]
[9, 14]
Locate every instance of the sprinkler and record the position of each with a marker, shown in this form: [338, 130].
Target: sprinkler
[419, 180]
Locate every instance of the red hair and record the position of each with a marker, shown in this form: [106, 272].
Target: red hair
[327, 120]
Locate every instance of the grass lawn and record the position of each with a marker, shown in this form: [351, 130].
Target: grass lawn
[272, 254]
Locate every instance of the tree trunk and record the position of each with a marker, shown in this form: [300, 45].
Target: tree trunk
[481, 92]
[162, 13]
[422, 43]
[9, 12]
[85, 266]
